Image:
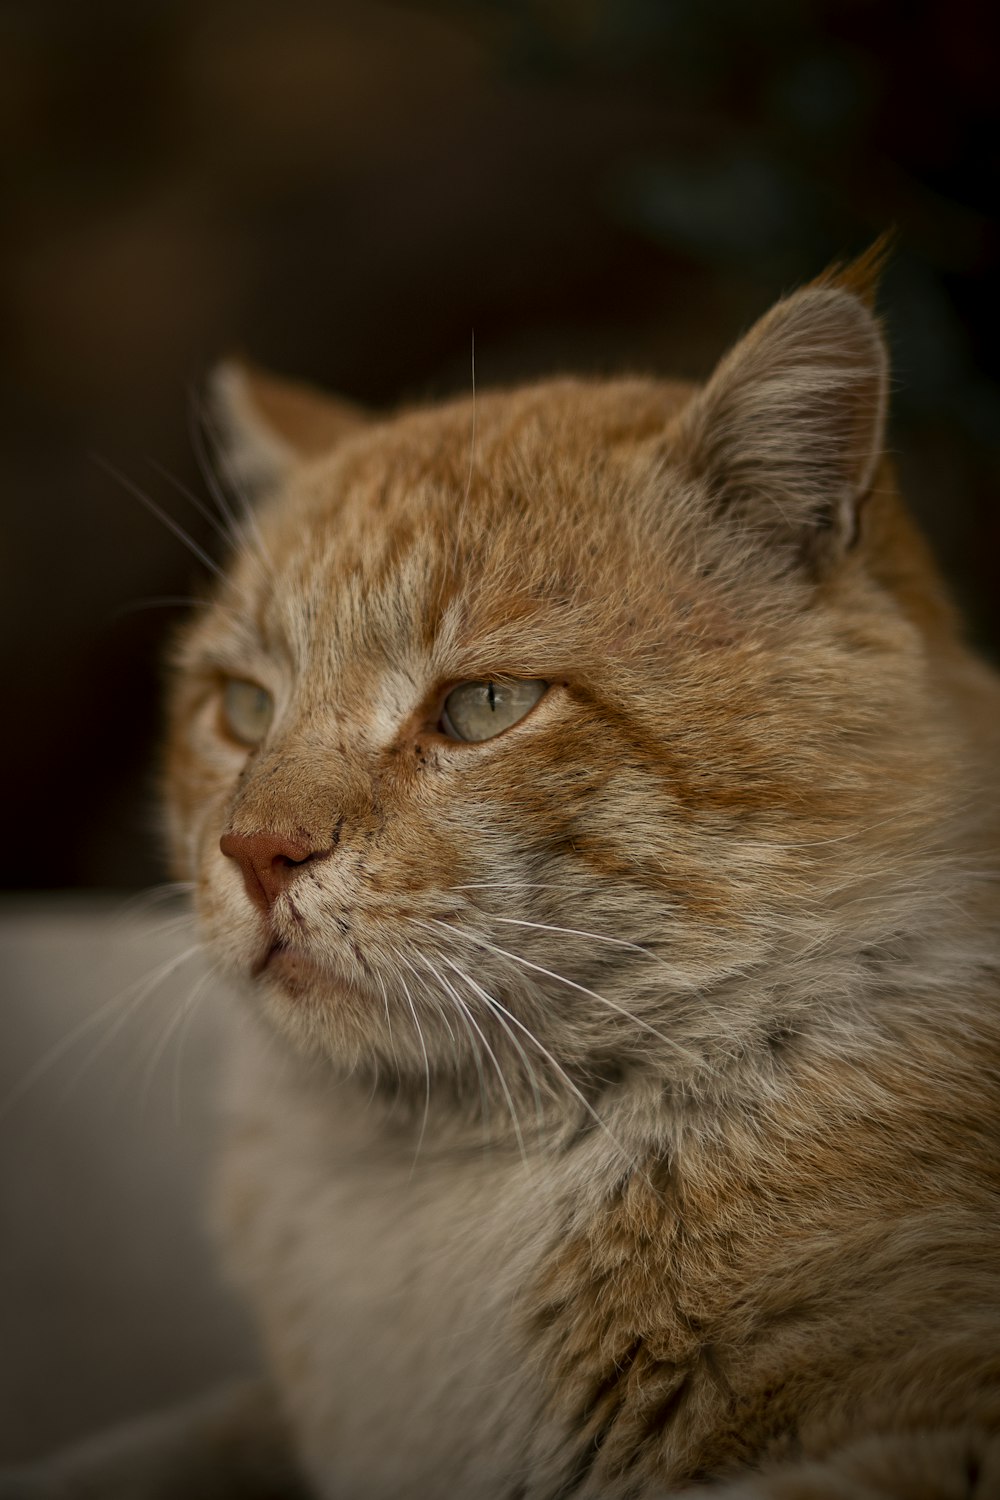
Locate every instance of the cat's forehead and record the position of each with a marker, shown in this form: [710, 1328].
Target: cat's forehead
[473, 529]
[459, 483]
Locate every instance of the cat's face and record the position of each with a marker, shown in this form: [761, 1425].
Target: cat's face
[513, 739]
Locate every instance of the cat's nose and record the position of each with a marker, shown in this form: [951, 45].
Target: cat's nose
[269, 862]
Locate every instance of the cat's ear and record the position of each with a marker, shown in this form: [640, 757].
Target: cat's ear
[787, 434]
[266, 423]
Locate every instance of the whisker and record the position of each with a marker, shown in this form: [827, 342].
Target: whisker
[125, 1002]
[228, 528]
[579, 932]
[460, 520]
[154, 918]
[160, 514]
[175, 1024]
[778, 848]
[495, 1005]
[465, 1011]
[190, 1010]
[582, 989]
[519, 884]
[143, 900]
[165, 601]
[427, 1075]
[529, 1070]
[255, 540]
[501, 1009]
[475, 1052]
[388, 1022]
[439, 1010]
[126, 1013]
[199, 422]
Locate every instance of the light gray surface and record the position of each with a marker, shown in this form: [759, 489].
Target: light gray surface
[109, 1301]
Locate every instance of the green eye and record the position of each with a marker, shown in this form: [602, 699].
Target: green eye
[247, 711]
[477, 711]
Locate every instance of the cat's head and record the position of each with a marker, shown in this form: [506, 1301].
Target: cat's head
[567, 734]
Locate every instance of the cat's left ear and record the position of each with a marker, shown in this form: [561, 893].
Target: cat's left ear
[267, 423]
[787, 434]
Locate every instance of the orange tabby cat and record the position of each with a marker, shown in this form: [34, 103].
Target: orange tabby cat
[591, 792]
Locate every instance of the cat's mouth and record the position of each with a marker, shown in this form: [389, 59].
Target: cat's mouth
[266, 957]
[279, 960]
[293, 968]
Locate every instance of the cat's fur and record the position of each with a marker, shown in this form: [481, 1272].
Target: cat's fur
[622, 1116]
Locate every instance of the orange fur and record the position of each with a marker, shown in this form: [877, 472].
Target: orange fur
[675, 1004]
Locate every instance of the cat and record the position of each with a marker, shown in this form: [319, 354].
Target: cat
[589, 792]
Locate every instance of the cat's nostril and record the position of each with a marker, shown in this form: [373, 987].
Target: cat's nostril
[269, 862]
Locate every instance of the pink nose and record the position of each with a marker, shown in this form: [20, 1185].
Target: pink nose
[269, 862]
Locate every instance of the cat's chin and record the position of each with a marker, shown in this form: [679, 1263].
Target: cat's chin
[290, 969]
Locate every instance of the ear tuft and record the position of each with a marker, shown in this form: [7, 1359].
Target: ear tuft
[863, 275]
[787, 434]
[266, 424]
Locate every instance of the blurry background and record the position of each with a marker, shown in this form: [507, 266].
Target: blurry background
[346, 191]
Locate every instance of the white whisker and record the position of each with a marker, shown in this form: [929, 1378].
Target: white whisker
[125, 1002]
[228, 528]
[500, 1009]
[582, 989]
[134, 1005]
[495, 1004]
[523, 885]
[465, 1011]
[168, 891]
[160, 514]
[439, 1009]
[164, 601]
[388, 1022]
[252, 532]
[484, 1097]
[173, 1027]
[463, 506]
[580, 932]
[190, 1010]
[532, 1076]
[427, 1075]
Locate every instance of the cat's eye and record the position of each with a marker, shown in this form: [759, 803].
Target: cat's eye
[477, 711]
[247, 710]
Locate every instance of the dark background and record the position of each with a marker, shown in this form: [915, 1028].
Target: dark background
[346, 191]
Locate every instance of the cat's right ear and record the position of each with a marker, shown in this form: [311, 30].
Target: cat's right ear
[787, 434]
[266, 424]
